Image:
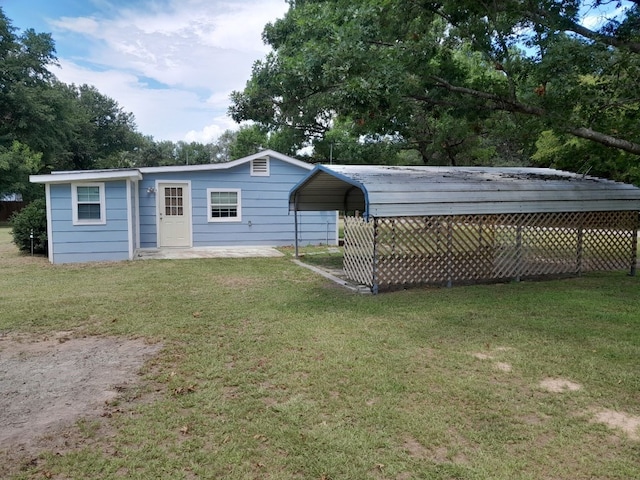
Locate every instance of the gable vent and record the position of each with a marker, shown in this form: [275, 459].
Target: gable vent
[260, 167]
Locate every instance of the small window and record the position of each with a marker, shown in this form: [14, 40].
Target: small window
[88, 204]
[173, 201]
[260, 167]
[224, 205]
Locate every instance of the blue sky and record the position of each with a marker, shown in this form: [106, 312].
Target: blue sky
[172, 63]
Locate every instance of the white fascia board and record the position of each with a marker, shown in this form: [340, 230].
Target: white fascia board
[86, 176]
[227, 165]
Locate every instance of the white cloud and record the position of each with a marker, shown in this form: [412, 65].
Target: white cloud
[199, 50]
[211, 132]
[78, 25]
[165, 113]
[219, 99]
[596, 18]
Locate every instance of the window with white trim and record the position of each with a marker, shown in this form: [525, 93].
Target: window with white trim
[88, 203]
[224, 205]
[260, 167]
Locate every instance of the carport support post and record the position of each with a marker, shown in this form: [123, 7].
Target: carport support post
[519, 258]
[295, 229]
[295, 223]
[580, 245]
[449, 254]
[374, 267]
[634, 252]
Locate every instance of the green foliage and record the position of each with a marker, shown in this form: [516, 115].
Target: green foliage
[193, 153]
[460, 81]
[70, 127]
[16, 164]
[341, 145]
[224, 144]
[250, 139]
[561, 152]
[94, 127]
[31, 220]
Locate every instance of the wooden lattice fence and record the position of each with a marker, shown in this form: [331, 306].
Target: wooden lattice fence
[391, 252]
[359, 256]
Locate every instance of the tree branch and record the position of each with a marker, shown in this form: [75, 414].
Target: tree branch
[565, 23]
[503, 103]
[606, 140]
[517, 107]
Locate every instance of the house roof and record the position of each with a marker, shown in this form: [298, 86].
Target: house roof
[388, 191]
[137, 173]
[227, 165]
[87, 176]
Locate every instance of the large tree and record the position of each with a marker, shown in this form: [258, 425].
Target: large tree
[92, 129]
[455, 78]
[17, 162]
[24, 83]
[48, 125]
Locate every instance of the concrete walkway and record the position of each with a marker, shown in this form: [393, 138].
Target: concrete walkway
[206, 252]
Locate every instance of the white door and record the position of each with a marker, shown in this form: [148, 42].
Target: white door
[174, 216]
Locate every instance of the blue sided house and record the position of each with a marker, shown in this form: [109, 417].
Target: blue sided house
[110, 215]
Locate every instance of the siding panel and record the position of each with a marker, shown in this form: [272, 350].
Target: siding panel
[266, 219]
[83, 243]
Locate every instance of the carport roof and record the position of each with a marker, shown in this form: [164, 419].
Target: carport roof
[390, 191]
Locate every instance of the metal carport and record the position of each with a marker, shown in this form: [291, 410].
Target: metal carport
[443, 225]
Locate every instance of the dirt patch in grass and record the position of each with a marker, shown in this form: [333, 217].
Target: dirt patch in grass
[47, 384]
[504, 367]
[559, 385]
[629, 424]
[483, 356]
[437, 455]
[414, 448]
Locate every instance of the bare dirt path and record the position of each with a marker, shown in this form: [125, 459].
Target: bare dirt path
[52, 382]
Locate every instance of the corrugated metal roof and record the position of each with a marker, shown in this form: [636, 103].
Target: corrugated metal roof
[388, 191]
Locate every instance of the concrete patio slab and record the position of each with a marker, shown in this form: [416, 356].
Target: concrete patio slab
[206, 252]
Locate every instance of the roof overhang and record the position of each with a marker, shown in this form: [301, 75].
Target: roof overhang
[228, 165]
[87, 176]
[137, 173]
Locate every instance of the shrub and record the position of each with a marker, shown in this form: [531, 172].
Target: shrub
[33, 217]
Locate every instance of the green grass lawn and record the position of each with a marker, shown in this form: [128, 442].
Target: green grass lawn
[269, 371]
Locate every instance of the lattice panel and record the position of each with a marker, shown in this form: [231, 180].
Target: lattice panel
[473, 248]
[414, 250]
[536, 244]
[612, 247]
[358, 250]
